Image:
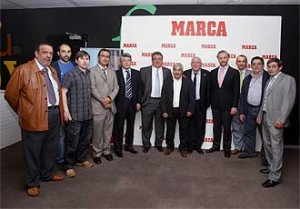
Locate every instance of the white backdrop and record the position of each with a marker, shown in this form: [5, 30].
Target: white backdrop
[180, 38]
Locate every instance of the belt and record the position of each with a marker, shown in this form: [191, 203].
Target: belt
[154, 97]
[52, 107]
[253, 106]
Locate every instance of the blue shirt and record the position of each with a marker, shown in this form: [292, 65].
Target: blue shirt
[64, 68]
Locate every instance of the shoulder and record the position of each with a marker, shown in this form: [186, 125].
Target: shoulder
[145, 68]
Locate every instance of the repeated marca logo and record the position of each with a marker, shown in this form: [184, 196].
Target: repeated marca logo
[249, 46]
[208, 46]
[168, 45]
[129, 45]
[269, 56]
[208, 64]
[146, 54]
[198, 28]
[188, 54]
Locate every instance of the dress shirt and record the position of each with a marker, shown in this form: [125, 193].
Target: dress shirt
[177, 88]
[198, 83]
[154, 81]
[255, 90]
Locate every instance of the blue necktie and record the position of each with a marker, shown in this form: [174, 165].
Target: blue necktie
[50, 89]
[128, 89]
[157, 87]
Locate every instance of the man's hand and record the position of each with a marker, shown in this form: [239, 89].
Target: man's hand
[242, 118]
[258, 121]
[278, 124]
[189, 114]
[105, 102]
[138, 107]
[165, 115]
[233, 111]
[67, 116]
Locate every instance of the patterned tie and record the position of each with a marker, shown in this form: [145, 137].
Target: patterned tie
[50, 89]
[157, 87]
[241, 80]
[221, 76]
[104, 73]
[128, 89]
[272, 79]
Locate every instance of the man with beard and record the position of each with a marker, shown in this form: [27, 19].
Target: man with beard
[62, 66]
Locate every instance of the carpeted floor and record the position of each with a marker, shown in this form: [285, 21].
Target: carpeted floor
[155, 181]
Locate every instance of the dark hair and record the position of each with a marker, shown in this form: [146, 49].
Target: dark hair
[222, 51]
[278, 61]
[156, 53]
[103, 50]
[258, 58]
[81, 54]
[37, 46]
[241, 55]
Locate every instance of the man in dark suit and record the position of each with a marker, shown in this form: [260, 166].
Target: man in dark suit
[177, 103]
[127, 103]
[201, 81]
[225, 91]
[250, 102]
[152, 79]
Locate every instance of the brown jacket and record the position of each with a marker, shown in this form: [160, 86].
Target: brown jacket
[26, 94]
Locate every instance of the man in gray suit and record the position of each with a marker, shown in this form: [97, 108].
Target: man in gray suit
[237, 126]
[152, 79]
[105, 88]
[278, 101]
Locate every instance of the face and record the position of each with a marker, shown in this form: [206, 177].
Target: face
[223, 59]
[125, 62]
[241, 63]
[177, 72]
[103, 58]
[64, 53]
[257, 66]
[83, 62]
[44, 55]
[157, 61]
[273, 68]
[196, 64]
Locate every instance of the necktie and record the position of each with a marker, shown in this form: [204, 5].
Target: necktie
[241, 80]
[195, 80]
[267, 92]
[50, 89]
[221, 76]
[157, 87]
[128, 89]
[104, 73]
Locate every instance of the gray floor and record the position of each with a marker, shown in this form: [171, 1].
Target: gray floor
[154, 181]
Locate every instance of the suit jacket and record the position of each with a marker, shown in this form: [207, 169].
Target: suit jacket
[55, 65]
[245, 88]
[280, 99]
[204, 87]
[102, 87]
[226, 96]
[136, 90]
[186, 100]
[146, 82]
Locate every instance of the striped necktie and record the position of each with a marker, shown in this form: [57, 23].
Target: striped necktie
[128, 88]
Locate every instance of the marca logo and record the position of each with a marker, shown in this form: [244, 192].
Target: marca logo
[168, 45]
[146, 54]
[199, 28]
[208, 46]
[188, 54]
[249, 47]
[269, 56]
[129, 45]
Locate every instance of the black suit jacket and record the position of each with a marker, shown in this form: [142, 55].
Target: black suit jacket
[135, 85]
[227, 96]
[204, 87]
[56, 67]
[146, 82]
[186, 100]
[245, 88]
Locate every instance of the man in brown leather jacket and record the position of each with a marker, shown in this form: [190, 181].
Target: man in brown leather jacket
[33, 93]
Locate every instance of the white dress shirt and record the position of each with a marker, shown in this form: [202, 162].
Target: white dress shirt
[154, 81]
[176, 88]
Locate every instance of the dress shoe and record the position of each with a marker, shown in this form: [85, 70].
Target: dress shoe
[227, 154]
[97, 160]
[213, 149]
[57, 177]
[160, 149]
[85, 164]
[33, 191]
[200, 151]
[270, 183]
[264, 170]
[108, 157]
[146, 149]
[131, 150]
[244, 155]
[119, 154]
[70, 173]
[190, 151]
[183, 153]
[235, 151]
[168, 151]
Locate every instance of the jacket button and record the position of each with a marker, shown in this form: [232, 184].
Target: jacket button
[45, 98]
[46, 111]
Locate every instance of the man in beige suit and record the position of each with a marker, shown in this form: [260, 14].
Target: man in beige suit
[105, 88]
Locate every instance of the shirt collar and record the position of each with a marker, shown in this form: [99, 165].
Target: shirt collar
[276, 75]
[40, 66]
[102, 68]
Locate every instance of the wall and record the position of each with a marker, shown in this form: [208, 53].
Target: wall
[101, 24]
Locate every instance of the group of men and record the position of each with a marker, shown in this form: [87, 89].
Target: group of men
[63, 105]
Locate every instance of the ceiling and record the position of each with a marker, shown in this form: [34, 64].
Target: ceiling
[32, 4]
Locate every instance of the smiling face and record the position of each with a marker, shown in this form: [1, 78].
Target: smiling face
[83, 62]
[241, 62]
[257, 66]
[103, 58]
[44, 54]
[125, 62]
[196, 64]
[157, 61]
[64, 52]
[177, 71]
